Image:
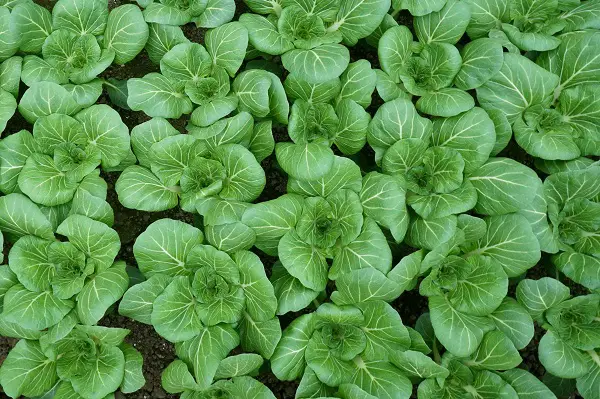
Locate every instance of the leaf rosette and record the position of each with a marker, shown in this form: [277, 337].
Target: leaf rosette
[191, 168]
[232, 378]
[307, 34]
[191, 74]
[52, 278]
[204, 13]
[569, 347]
[324, 114]
[73, 360]
[57, 165]
[194, 288]
[338, 345]
[574, 222]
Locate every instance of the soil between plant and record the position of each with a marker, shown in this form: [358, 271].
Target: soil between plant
[158, 352]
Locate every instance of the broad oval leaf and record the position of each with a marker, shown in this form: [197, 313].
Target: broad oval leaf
[126, 33]
[138, 188]
[158, 96]
[320, 64]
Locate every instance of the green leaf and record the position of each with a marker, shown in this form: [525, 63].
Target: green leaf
[526, 384]
[383, 200]
[158, 96]
[486, 15]
[482, 59]
[433, 69]
[344, 174]
[420, 7]
[174, 313]
[86, 94]
[45, 98]
[217, 13]
[316, 93]
[287, 361]
[320, 64]
[332, 370]
[34, 310]
[172, 155]
[396, 120]
[21, 217]
[227, 46]
[576, 60]
[36, 69]
[106, 132]
[10, 75]
[186, 61]
[383, 329]
[80, 16]
[177, 378]
[259, 336]
[459, 332]
[309, 161]
[581, 268]
[357, 19]
[238, 365]
[537, 296]
[133, 379]
[503, 185]
[137, 302]
[143, 136]
[8, 106]
[98, 294]
[510, 241]
[351, 133]
[310, 386]
[261, 302]
[405, 273]
[561, 359]
[264, 6]
[272, 219]
[291, 295]
[44, 182]
[264, 36]
[105, 377]
[27, 371]
[416, 364]
[358, 83]
[588, 384]
[496, 352]
[369, 250]
[303, 261]
[206, 350]
[126, 33]
[446, 102]
[96, 240]
[138, 188]
[28, 259]
[514, 321]
[518, 85]
[167, 14]
[164, 247]
[364, 285]
[262, 143]
[429, 234]
[445, 26]
[381, 379]
[9, 42]
[161, 39]
[394, 49]
[481, 287]
[33, 24]
[245, 177]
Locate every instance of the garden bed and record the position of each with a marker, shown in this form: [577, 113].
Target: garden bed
[129, 224]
